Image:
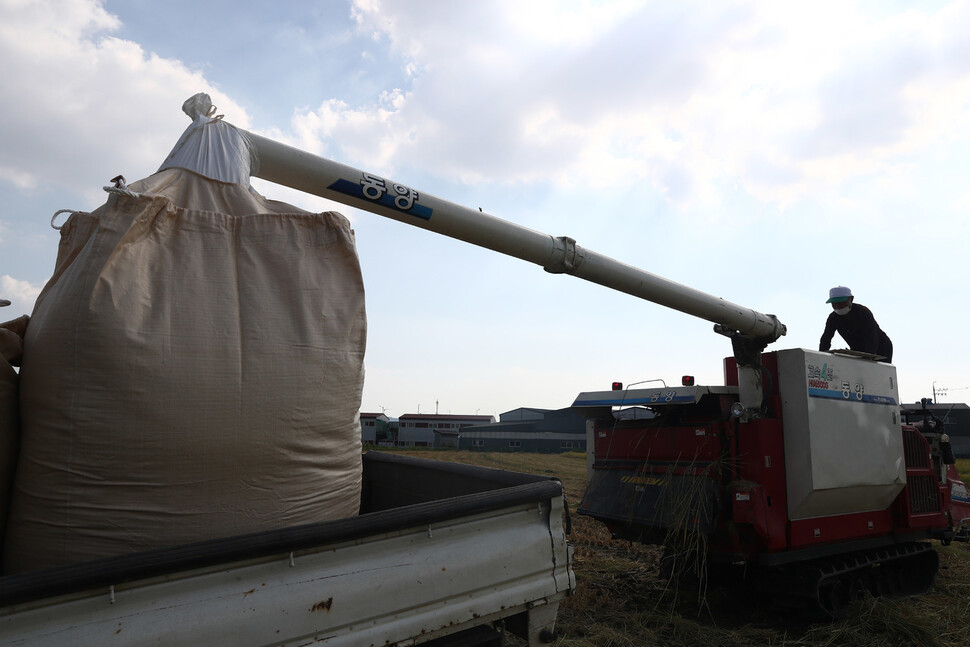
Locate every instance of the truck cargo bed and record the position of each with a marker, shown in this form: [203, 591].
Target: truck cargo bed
[438, 548]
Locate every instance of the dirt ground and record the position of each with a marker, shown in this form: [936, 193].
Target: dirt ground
[622, 600]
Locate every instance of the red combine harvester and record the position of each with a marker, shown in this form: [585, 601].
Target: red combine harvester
[803, 465]
[820, 483]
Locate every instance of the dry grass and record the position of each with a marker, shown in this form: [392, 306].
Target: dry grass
[963, 466]
[621, 600]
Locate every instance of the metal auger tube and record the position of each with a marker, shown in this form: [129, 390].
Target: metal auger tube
[303, 171]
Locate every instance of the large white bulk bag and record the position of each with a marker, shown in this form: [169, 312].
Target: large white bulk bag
[192, 370]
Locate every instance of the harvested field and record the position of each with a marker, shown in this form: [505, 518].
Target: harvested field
[622, 600]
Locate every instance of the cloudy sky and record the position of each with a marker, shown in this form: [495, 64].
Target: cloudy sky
[755, 150]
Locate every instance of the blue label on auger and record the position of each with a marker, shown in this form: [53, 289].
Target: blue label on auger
[385, 193]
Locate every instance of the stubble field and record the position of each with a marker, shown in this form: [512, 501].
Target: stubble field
[621, 599]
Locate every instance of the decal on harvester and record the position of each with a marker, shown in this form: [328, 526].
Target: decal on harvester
[657, 398]
[388, 194]
[958, 492]
[817, 374]
[641, 480]
[850, 394]
[824, 383]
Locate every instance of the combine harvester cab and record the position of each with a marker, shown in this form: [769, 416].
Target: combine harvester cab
[824, 493]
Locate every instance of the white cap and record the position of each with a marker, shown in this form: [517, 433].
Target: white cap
[839, 294]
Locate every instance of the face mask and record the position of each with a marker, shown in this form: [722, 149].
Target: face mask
[842, 311]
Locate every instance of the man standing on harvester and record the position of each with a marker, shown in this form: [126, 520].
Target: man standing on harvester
[856, 325]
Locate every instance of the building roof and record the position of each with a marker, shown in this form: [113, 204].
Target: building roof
[523, 413]
[444, 417]
[528, 433]
[939, 405]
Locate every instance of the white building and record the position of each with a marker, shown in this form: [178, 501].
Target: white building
[419, 430]
[370, 425]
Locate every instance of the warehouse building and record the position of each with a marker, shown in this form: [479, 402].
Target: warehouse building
[529, 430]
[421, 430]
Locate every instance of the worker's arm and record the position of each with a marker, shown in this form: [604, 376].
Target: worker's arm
[12, 339]
[869, 331]
[825, 342]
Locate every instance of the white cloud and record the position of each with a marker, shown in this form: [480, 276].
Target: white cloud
[787, 102]
[17, 177]
[21, 295]
[74, 95]
[369, 137]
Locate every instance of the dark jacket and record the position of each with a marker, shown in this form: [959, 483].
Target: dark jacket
[859, 330]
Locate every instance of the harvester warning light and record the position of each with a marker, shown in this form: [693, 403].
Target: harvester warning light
[687, 380]
[618, 386]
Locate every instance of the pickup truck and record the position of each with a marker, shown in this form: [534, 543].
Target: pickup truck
[442, 554]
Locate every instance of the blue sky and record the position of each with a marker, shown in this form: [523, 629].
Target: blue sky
[753, 150]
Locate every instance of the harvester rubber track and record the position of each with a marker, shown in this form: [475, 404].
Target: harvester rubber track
[829, 585]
